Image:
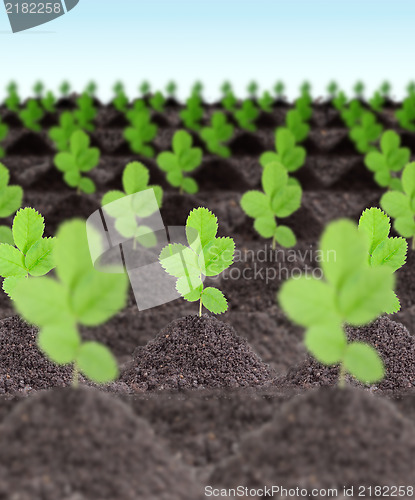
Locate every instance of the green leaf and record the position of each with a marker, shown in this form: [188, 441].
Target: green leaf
[375, 224]
[11, 261]
[268, 157]
[217, 256]
[408, 180]
[79, 142]
[179, 260]
[65, 162]
[28, 227]
[182, 142]
[326, 343]
[4, 176]
[98, 296]
[97, 363]
[390, 141]
[309, 302]
[405, 226]
[363, 295]
[205, 223]
[10, 200]
[87, 185]
[60, 343]
[395, 204]
[190, 160]
[375, 161]
[135, 177]
[393, 305]
[189, 185]
[364, 363]
[6, 235]
[39, 258]
[274, 178]
[214, 300]
[390, 253]
[43, 302]
[255, 204]
[72, 178]
[190, 287]
[343, 249]
[167, 161]
[9, 284]
[115, 209]
[286, 201]
[89, 159]
[266, 226]
[285, 236]
[175, 178]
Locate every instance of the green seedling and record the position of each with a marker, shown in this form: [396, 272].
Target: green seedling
[340, 101]
[91, 89]
[171, 89]
[86, 112]
[366, 133]
[31, 115]
[305, 89]
[48, 102]
[406, 115]
[10, 201]
[383, 251]
[120, 102]
[61, 135]
[332, 89]
[4, 130]
[80, 295]
[226, 87]
[206, 255]
[266, 102]
[135, 178]
[79, 159]
[303, 106]
[411, 88]
[353, 114]
[65, 88]
[296, 125]
[390, 158]
[279, 88]
[292, 157]
[29, 253]
[38, 89]
[157, 102]
[144, 88]
[377, 102]
[11, 87]
[385, 89]
[280, 198]
[252, 89]
[359, 89]
[352, 292]
[12, 101]
[197, 90]
[229, 102]
[246, 115]
[183, 159]
[139, 105]
[220, 131]
[401, 205]
[118, 87]
[141, 132]
[193, 113]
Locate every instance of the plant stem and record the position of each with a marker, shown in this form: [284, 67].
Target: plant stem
[75, 376]
[342, 377]
[413, 243]
[200, 307]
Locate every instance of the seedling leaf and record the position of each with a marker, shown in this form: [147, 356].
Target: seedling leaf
[364, 363]
[97, 363]
[214, 300]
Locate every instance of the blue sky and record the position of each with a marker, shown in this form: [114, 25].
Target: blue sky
[216, 40]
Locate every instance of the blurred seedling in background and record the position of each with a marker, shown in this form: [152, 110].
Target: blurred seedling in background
[296, 125]
[10, 200]
[391, 158]
[377, 102]
[340, 101]
[252, 89]
[65, 88]
[351, 293]
[279, 88]
[246, 115]
[352, 115]
[225, 88]
[38, 89]
[366, 133]
[141, 131]
[305, 89]
[383, 251]
[291, 156]
[79, 159]
[31, 115]
[280, 198]
[197, 90]
[29, 253]
[183, 159]
[120, 100]
[80, 295]
[91, 89]
[171, 89]
[229, 101]
[406, 114]
[48, 102]
[359, 89]
[4, 130]
[385, 89]
[86, 112]
[332, 89]
[144, 88]
[303, 106]
[12, 101]
[266, 102]
[157, 102]
[219, 131]
[401, 205]
[61, 135]
[205, 255]
[127, 208]
[193, 113]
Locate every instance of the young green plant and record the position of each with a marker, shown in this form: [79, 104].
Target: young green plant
[80, 295]
[220, 131]
[86, 112]
[157, 102]
[61, 134]
[366, 133]
[246, 115]
[10, 201]
[141, 131]
[280, 198]
[205, 255]
[296, 125]
[31, 115]
[193, 113]
[292, 157]
[183, 159]
[4, 130]
[352, 292]
[79, 159]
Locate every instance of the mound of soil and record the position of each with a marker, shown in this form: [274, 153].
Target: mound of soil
[84, 444]
[327, 438]
[194, 352]
[23, 367]
[393, 342]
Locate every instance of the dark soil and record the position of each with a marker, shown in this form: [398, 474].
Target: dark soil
[23, 367]
[194, 352]
[327, 438]
[83, 444]
[393, 342]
